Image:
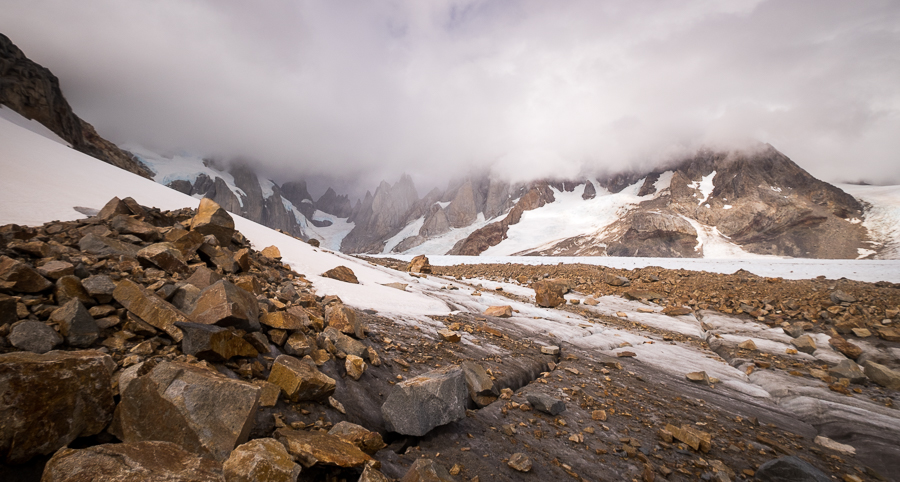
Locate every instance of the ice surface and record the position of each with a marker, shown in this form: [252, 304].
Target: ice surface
[329, 237]
[411, 229]
[882, 217]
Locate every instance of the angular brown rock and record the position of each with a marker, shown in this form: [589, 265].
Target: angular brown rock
[344, 320]
[504, 311]
[261, 460]
[548, 294]
[20, 277]
[311, 448]
[419, 264]
[47, 401]
[212, 219]
[163, 256]
[301, 380]
[132, 462]
[225, 304]
[201, 411]
[366, 440]
[150, 308]
[341, 273]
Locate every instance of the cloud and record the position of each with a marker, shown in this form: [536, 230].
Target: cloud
[366, 90]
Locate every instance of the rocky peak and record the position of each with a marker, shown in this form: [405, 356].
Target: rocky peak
[34, 92]
[462, 210]
[332, 203]
[381, 216]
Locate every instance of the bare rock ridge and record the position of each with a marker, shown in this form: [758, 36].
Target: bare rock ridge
[34, 92]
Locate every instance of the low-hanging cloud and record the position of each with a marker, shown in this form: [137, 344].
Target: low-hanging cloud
[527, 88]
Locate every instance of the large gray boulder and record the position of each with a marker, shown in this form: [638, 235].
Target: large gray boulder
[200, 410]
[419, 404]
[49, 400]
[131, 462]
[225, 304]
[76, 324]
[789, 469]
[34, 336]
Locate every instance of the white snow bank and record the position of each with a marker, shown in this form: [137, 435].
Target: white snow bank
[30, 124]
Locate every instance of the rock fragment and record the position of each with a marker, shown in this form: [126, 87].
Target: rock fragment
[427, 470]
[56, 269]
[417, 405]
[789, 469]
[548, 294]
[163, 256]
[20, 277]
[100, 287]
[149, 307]
[504, 311]
[848, 369]
[47, 401]
[355, 366]
[312, 448]
[519, 461]
[882, 375]
[212, 219]
[546, 403]
[419, 264]
[299, 380]
[214, 343]
[366, 440]
[224, 304]
[804, 344]
[261, 460]
[34, 336]
[341, 273]
[481, 388]
[133, 462]
[271, 252]
[197, 409]
[694, 438]
[76, 324]
[344, 319]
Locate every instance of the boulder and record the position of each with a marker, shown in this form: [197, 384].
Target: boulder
[212, 219]
[643, 295]
[848, 369]
[366, 440]
[49, 400]
[696, 439]
[504, 311]
[417, 405]
[70, 288]
[548, 294]
[76, 324]
[100, 287]
[132, 462]
[34, 336]
[804, 344]
[427, 470]
[112, 208]
[789, 469]
[838, 297]
[20, 277]
[203, 277]
[214, 343]
[419, 264]
[312, 448]
[200, 410]
[481, 388]
[242, 258]
[150, 308]
[102, 246]
[222, 258]
[677, 311]
[355, 366]
[882, 375]
[845, 347]
[747, 345]
[56, 269]
[341, 273]
[698, 377]
[299, 345]
[285, 320]
[186, 242]
[225, 304]
[272, 252]
[370, 474]
[163, 256]
[344, 343]
[449, 335]
[261, 460]
[545, 403]
[344, 320]
[301, 380]
[128, 225]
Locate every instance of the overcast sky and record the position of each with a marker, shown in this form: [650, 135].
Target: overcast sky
[369, 89]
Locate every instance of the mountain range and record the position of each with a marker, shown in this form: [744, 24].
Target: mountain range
[714, 204]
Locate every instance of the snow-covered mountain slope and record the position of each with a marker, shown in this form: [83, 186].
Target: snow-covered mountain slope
[44, 181]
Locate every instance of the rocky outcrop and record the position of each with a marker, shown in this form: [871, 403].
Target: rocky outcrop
[462, 210]
[656, 234]
[332, 203]
[34, 92]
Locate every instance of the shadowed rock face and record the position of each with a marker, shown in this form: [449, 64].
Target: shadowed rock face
[34, 92]
[381, 216]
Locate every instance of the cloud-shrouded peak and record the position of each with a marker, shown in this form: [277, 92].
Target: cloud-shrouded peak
[526, 88]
